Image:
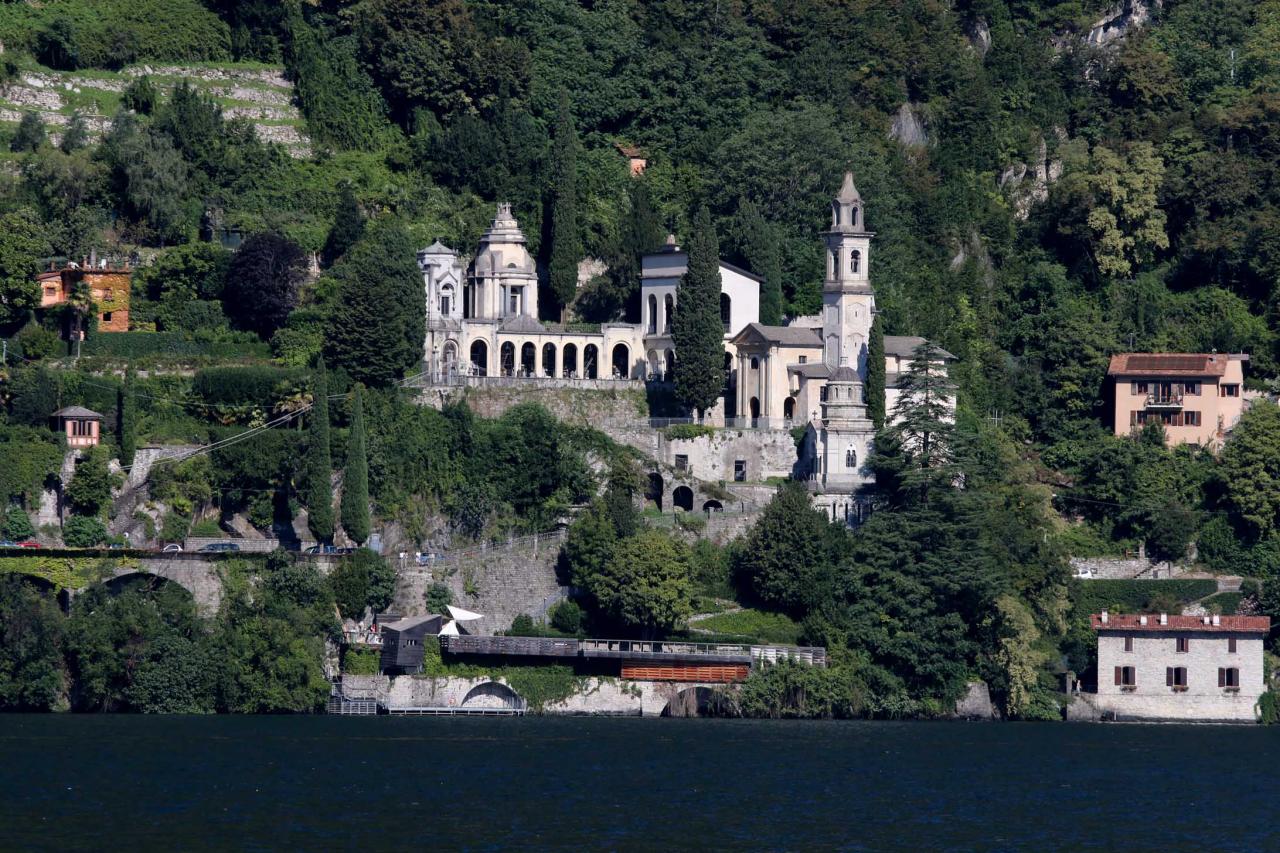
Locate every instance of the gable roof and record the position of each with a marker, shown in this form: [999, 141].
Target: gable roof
[904, 346]
[521, 323]
[77, 412]
[437, 248]
[1133, 622]
[787, 336]
[1171, 363]
[811, 370]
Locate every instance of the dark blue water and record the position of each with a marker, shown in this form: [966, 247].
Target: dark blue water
[391, 784]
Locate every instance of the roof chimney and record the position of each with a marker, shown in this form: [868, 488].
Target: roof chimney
[1103, 617]
[1164, 618]
[1217, 620]
[1142, 620]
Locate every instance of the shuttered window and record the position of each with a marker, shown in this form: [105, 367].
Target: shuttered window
[1183, 644]
[1176, 677]
[1128, 644]
[1126, 676]
[1231, 645]
[1228, 677]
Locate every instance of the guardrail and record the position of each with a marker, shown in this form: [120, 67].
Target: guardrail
[426, 562]
[674, 650]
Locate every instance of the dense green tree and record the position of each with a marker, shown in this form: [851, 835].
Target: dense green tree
[374, 331]
[23, 240]
[355, 476]
[645, 584]
[348, 226]
[921, 433]
[31, 636]
[30, 134]
[696, 329]
[140, 96]
[17, 524]
[362, 580]
[1251, 469]
[789, 556]
[875, 387]
[262, 282]
[127, 420]
[566, 246]
[758, 243]
[589, 547]
[81, 531]
[319, 462]
[89, 492]
[438, 597]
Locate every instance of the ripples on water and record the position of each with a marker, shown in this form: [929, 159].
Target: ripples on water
[391, 784]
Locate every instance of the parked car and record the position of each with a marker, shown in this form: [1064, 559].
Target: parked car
[171, 548]
[219, 548]
[1085, 574]
[330, 549]
[8, 543]
[30, 543]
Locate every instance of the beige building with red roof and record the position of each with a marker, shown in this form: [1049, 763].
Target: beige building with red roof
[1198, 397]
[1162, 667]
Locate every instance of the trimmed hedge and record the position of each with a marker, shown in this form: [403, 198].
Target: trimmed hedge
[131, 345]
[1128, 596]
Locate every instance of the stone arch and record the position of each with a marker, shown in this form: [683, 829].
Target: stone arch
[479, 358]
[446, 300]
[668, 311]
[682, 498]
[712, 505]
[590, 361]
[492, 694]
[654, 365]
[726, 310]
[755, 362]
[698, 702]
[851, 458]
[450, 357]
[855, 261]
[528, 359]
[755, 408]
[621, 361]
[789, 408]
[570, 358]
[653, 314]
[548, 359]
[655, 489]
[507, 354]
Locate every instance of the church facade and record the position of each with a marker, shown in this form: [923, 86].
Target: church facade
[482, 321]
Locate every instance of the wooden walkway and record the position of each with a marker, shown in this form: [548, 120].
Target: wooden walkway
[670, 651]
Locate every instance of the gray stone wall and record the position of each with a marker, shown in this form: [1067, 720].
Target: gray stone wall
[1115, 568]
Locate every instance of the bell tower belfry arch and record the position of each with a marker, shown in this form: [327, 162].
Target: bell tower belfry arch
[848, 301]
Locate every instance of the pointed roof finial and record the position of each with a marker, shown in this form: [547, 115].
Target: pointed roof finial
[848, 192]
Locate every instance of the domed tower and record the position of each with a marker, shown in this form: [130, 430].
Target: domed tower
[847, 299]
[503, 281]
[847, 433]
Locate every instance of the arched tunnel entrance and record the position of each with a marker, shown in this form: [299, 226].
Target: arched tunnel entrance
[699, 702]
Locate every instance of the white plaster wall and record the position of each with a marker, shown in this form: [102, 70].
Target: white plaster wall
[1154, 651]
[744, 296]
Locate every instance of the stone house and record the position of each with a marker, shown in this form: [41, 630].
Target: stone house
[1162, 667]
[108, 287]
[1198, 397]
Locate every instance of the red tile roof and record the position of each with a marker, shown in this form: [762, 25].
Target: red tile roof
[1168, 364]
[1133, 622]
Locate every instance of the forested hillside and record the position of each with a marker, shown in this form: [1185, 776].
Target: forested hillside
[1049, 183]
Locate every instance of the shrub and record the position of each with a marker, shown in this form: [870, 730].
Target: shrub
[567, 616]
[82, 532]
[438, 597]
[677, 432]
[362, 580]
[522, 626]
[356, 661]
[17, 525]
[36, 342]
[1120, 596]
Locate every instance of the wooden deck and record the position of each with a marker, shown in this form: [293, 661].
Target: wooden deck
[456, 712]
[666, 651]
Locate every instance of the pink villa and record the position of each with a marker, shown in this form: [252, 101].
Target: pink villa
[1198, 397]
[82, 426]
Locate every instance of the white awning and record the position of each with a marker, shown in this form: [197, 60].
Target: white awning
[462, 615]
[450, 629]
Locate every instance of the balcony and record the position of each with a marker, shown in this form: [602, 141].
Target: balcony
[1164, 400]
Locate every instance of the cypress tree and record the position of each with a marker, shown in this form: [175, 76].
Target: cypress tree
[348, 226]
[30, 134]
[875, 374]
[566, 249]
[696, 329]
[355, 478]
[319, 486]
[758, 243]
[126, 420]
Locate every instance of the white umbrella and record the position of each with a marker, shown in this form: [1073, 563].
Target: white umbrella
[461, 615]
[450, 629]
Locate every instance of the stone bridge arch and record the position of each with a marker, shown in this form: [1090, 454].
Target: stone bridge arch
[198, 577]
[492, 694]
[700, 701]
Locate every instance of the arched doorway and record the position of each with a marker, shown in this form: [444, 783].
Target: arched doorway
[528, 360]
[698, 702]
[654, 366]
[755, 409]
[682, 498]
[655, 490]
[549, 359]
[621, 362]
[491, 694]
[669, 366]
[712, 506]
[653, 314]
[450, 358]
[726, 311]
[479, 358]
[507, 355]
[590, 361]
[789, 408]
[668, 310]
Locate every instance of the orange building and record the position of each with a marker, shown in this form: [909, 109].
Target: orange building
[1198, 397]
[109, 288]
[83, 427]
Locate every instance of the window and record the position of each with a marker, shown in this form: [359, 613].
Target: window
[1133, 418]
[1191, 418]
[682, 462]
[1183, 645]
[444, 306]
[1126, 676]
[822, 394]
[855, 261]
[804, 359]
[739, 470]
[1128, 644]
[106, 317]
[850, 458]
[1140, 387]
[1176, 677]
[1229, 677]
[1231, 645]
[1228, 390]
[1192, 388]
[755, 363]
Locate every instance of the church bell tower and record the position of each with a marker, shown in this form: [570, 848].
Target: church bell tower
[847, 299]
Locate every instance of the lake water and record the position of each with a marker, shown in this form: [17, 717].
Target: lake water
[392, 784]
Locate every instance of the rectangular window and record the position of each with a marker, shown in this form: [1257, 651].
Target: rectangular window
[1191, 388]
[1133, 418]
[1141, 387]
[1231, 645]
[1183, 645]
[804, 359]
[106, 318]
[1229, 677]
[822, 395]
[682, 462]
[739, 470]
[1176, 677]
[1228, 390]
[1128, 644]
[1126, 676]
[1192, 418]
